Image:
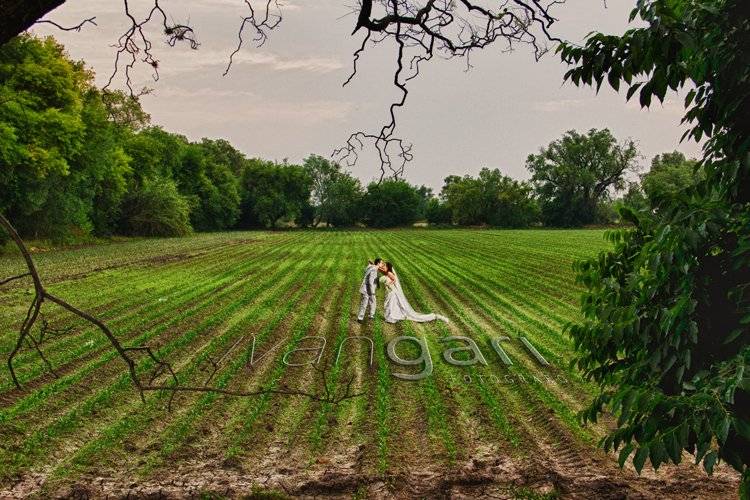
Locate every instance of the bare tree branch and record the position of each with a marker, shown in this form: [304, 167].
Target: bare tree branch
[125, 352]
[133, 44]
[13, 278]
[262, 23]
[450, 28]
[419, 29]
[77, 27]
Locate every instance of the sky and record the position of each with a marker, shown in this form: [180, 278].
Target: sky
[285, 100]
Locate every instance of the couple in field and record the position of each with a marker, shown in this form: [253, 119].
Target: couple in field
[396, 306]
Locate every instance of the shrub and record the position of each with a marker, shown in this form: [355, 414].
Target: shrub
[156, 209]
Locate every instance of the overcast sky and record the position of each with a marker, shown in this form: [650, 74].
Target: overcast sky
[285, 100]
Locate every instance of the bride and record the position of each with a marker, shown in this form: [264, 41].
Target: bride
[396, 306]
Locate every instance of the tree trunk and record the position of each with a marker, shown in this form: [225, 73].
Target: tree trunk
[18, 15]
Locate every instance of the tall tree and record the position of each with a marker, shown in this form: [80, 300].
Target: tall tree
[670, 174]
[41, 133]
[572, 175]
[324, 174]
[344, 201]
[390, 203]
[463, 197]
[272, 191]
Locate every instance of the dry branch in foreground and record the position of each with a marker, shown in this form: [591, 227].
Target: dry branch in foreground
[41, 294]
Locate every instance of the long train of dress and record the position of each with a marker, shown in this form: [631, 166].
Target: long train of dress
[397, 308]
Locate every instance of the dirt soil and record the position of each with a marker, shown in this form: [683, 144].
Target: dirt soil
[485, 475]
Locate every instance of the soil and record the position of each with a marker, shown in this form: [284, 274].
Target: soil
[484, 475]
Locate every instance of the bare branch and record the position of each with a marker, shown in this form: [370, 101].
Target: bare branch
[161, 367]
[262, 23]
[450, 28]
[13, 278]
[134, 45]
[77, 27]
[420, 30]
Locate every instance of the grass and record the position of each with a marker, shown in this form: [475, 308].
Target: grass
[209, 295]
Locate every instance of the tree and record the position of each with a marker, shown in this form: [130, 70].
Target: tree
[574, 174]
[221, 151]
[103, 165]
[437, 212]
[670, 174]
[272, 191]
[666, 333]
[491, 198]
[336, 195]
[324, 175]
[507, 202]
[344, 201]
[390, 203]
[210, 187]
[155, 153]
[221, 205]
[63, 165]
[156, 208]
[463, 197]
[41, 129]
[425, 195]
[633, 199]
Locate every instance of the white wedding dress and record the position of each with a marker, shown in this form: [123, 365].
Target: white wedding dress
[397, 308]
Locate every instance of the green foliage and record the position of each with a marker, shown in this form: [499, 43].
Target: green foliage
[155, 153]
[156, 209]
[508, 203]
[700, 42]
[336, 195]
[463, 197]
[667, 327]
[670, 174]
[272, 191]
[41, 129]
[344, 201]
[425, 195]
[124, 110]
[390, 203]
[574, 174]
[634, 198]
[210, 186]
[491, 198]
[437, 212]
[72, 156]
[103, 165]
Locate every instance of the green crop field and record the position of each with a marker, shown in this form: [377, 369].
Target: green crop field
[230, 298]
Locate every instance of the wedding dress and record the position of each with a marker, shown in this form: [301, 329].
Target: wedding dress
[397, 308]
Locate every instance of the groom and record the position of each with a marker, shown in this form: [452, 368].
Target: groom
[367, 289]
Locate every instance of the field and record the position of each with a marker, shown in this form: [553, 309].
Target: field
[496, 429]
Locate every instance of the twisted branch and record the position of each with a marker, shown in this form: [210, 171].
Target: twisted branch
[261, 23]
[420, 30]
[133, 44]
[161, 367]
[13, 278]
[449, 28]
[77, 27]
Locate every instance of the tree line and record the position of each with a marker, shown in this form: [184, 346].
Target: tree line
[80, 161]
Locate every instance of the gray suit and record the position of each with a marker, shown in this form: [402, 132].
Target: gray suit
[367, 289]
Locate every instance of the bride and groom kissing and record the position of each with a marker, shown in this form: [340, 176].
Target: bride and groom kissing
[396, 307]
